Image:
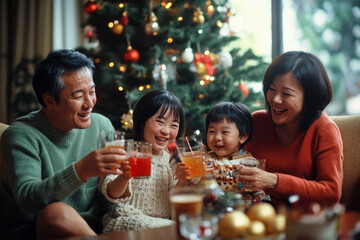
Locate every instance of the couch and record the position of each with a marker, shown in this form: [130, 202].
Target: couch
[350, 132]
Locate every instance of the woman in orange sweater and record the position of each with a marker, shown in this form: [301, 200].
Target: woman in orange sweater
[301, 144]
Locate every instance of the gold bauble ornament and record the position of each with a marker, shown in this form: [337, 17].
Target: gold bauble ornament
[233, 224]
[276, 225]
[261, 212]
[118, 29]
[198, 16]
[201, 68]
[256, 229]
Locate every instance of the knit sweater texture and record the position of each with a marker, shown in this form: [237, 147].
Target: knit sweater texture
[310, 166]
[37, 168]
[145, 203]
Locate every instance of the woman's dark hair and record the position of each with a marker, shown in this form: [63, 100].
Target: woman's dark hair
[237, 113]
[150, 103]
[311, 74]
[48, 72]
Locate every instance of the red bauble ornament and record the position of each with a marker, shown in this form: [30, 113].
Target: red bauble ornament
[244, 89]
[131, 55]
[90, 7]
[124, 20]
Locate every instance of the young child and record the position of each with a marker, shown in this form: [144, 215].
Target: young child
[144, 203]
[229, 128]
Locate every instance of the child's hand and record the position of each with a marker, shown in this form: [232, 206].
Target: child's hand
[182, 171]
[125, 168]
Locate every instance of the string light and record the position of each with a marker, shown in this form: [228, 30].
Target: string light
[141, 88]
[122, 68]
[200, 31]
[110, 24]
[168, 5]
[148, 86]
[121, 5]
[170, 40]
[120, 88]
[97, 60]
[111, 64]
[210, 9]
[180, 19]
[202, 82]
[219, 23]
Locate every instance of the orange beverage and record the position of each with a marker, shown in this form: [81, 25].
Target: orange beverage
[185, 203]
[116, 144]
[140, 166]
[195, 162]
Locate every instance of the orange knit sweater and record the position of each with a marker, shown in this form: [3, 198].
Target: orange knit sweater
[311, 166]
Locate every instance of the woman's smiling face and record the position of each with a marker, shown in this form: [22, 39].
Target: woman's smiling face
[286, 99]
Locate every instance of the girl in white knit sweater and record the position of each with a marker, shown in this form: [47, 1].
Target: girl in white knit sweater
[144, 203]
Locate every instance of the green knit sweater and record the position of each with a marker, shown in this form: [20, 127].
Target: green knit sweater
[37, 168]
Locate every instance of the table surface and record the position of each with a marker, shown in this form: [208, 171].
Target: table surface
[347, 225]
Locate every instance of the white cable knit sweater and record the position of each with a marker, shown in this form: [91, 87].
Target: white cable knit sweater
[145, 203]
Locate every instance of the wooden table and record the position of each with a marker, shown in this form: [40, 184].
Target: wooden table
[347, 225]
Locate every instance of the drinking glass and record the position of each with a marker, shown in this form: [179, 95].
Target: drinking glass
[260, 164]
[185, 199]
[191, 152]
[113, 139]
[140, 159]
[201, 227]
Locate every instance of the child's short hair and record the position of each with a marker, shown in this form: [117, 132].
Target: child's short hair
[150, 103]
[237, 113]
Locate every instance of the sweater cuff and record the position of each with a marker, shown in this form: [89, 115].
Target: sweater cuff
[281, 184]
[125, 197]
[69, 178]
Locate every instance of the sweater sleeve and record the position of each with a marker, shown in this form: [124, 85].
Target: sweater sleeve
[125, 197]
[323, 184]
[311, 166]
[24, 173]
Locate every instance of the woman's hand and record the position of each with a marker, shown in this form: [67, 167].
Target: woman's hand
[257, 179]
[182, 171]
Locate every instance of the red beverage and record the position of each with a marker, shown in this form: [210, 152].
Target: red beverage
[140, 166]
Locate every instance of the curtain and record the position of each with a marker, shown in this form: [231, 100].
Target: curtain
[25, 35]
[29, 29]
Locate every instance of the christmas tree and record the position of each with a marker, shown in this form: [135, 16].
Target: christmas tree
[177, 45]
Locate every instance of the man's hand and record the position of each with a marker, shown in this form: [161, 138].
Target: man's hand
[101, 162]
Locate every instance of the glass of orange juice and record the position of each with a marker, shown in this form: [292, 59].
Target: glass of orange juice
[113, 139]
[191, 152]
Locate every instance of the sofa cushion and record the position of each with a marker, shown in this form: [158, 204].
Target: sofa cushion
[2, 127]
[350, 133]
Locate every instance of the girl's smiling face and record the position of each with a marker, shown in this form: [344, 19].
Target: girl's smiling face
[160, 131]
[224, 138]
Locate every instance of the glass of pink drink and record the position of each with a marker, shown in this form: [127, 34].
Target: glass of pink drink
[140, 159]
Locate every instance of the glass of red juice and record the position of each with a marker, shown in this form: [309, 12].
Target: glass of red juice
[140, 159]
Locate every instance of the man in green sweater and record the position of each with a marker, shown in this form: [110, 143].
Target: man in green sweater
[50, 163]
